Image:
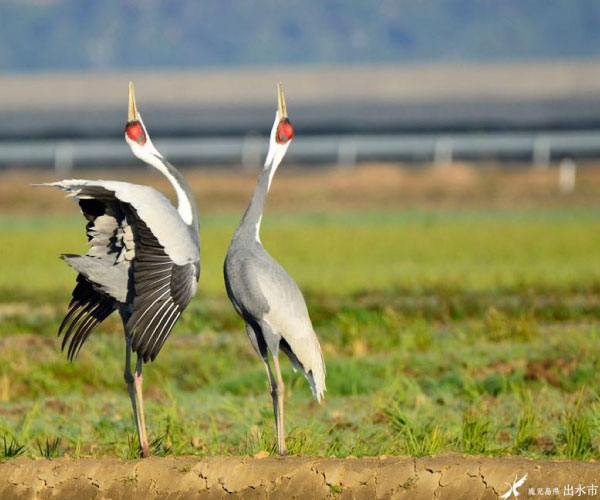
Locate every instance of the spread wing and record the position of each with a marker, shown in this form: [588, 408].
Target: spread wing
[129, 264]
[162, 290]
[88, 308]
[102, 278]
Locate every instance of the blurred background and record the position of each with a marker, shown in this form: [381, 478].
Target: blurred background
[439, 207]
[390, 81]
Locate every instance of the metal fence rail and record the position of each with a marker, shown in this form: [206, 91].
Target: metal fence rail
[539, 147]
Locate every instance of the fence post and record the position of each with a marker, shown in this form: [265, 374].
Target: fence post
[443, 151]
[347, 153]
[251, 155]
[567, 171]
[63, 157]
[542, 151]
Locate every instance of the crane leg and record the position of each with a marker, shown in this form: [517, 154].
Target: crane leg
[138, 381]
[130, 381]
[274, 394]
[279, 420]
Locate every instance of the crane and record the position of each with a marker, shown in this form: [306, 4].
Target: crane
[143, 260]
[265, 295]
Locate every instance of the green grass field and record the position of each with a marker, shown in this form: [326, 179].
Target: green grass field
[474, 331]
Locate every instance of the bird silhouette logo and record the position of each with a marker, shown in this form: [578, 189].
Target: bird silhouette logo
[512, 490]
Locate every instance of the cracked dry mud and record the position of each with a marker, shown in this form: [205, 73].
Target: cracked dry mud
[447, 476]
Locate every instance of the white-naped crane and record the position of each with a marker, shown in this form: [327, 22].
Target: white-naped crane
[143, 260]
[265, 295]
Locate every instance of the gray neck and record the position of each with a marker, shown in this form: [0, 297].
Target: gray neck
[249, 226]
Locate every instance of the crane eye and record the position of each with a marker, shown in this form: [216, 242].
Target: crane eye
[135, 132]
[285, 131]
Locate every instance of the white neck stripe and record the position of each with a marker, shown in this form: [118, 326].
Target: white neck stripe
[183, 205]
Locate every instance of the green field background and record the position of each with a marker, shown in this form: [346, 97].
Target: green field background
[474, 331]
[349, 253]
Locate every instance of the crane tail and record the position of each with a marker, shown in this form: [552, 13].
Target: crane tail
[313, 368]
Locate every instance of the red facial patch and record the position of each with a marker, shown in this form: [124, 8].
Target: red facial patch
[135, 132]
[285, 131]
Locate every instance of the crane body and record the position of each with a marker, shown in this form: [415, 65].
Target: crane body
[266, 296]
[143, 260]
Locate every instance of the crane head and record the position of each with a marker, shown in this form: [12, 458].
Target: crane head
[136, 134]
[285, 131]
[282, 132]
[134, 130]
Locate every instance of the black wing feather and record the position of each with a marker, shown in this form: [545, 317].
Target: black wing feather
[162, 291]
[87, 310]
[89, 307]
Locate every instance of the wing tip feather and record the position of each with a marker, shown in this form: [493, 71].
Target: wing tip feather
[87, 310]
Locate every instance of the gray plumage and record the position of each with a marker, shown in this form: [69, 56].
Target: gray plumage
[268, 299]
[265, 295]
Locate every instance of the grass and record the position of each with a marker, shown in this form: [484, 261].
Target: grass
[348, 253]
[475, 332]
[418, 438]
[11, 449]
[475, 433]
[527, 430]
[49, 448]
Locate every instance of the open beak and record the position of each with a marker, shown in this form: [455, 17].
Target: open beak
[132, 114]
[281, 106]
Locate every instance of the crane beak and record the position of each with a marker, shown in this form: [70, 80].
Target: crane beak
[132, 114]
[281, 106]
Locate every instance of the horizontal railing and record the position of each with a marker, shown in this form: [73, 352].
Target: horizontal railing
[540, 148]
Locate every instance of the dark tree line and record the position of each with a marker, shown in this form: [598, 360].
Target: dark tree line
[97, 34]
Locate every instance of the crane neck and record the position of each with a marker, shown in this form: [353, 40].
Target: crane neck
[186, 204]
[249, 226]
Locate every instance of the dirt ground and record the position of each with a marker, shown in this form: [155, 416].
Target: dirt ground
[444, 477]
[367, 187]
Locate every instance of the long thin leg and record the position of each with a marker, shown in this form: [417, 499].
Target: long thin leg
[280, 442]
[279, 410]
[129, 380]
[138, 380]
